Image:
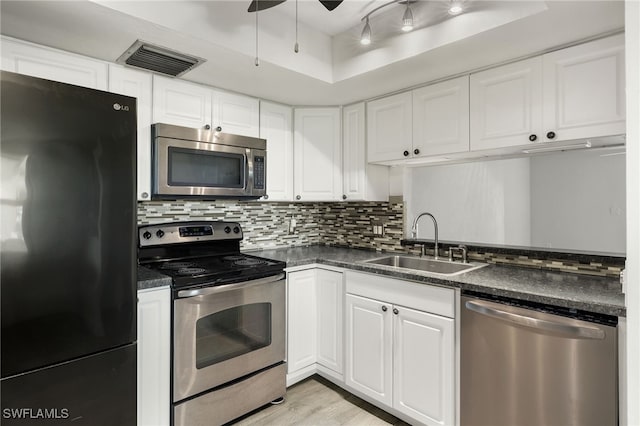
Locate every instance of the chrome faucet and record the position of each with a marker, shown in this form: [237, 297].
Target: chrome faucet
[414, 233]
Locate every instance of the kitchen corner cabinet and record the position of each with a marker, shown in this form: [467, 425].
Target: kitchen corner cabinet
[441, 118]
[315, 306]
[276, 128]
[389, 128]
[317, 152]
[361, 181]
[572, 93]
[400, 346]
[137, 84]
[52, 64]
[181, 103]
[236, 114]
[154, 346]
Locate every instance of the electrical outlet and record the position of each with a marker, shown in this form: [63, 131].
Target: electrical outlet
[377, 229]
[292, 226]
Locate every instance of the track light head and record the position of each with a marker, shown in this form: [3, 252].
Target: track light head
[407, 19]
[365, 38]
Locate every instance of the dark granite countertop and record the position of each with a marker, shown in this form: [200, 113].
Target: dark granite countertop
[589, 293]
[151, 279]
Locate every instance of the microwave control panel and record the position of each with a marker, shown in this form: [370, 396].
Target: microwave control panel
[258, 172]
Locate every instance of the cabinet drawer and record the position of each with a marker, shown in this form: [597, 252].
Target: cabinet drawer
[413, 295]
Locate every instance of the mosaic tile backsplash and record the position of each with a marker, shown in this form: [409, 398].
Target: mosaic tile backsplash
[280, 224]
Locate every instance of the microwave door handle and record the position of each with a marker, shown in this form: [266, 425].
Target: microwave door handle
[233, 286]
[248, 166]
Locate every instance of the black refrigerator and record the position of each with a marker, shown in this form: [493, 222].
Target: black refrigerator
[68, 254]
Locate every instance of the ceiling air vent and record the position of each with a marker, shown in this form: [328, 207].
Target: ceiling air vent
[158, 59]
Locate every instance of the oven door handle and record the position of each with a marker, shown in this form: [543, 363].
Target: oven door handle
[233, 286]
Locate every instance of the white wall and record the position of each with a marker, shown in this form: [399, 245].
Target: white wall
[631, 374]
[573, 208]
[475, 202]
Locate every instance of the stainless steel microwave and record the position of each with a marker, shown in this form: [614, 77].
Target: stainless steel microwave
[206, 164]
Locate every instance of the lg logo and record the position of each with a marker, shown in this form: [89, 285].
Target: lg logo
[119, 107]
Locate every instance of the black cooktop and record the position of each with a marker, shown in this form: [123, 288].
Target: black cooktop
[216, 270]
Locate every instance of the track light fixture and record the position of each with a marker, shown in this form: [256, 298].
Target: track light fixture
[455, 7]
[407, 19]
[365, 38]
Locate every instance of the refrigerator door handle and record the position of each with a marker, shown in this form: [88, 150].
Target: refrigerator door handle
[572, 331]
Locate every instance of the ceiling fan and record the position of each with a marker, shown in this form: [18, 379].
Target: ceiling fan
[258, 5]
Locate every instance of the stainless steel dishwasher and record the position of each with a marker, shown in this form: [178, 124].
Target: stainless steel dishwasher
[528, 364]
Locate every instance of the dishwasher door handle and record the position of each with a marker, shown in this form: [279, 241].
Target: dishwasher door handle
[573, 331]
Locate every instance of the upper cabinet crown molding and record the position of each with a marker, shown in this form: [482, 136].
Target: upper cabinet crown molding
[52, 64]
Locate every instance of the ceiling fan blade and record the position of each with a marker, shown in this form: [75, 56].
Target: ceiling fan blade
[330, 4]
[263, 4]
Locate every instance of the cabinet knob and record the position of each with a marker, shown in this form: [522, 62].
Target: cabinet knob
[265, 196]
[344, 197]
[395, 311]
[298, 197]
[218, 129]
[533, 138]
[551, 135]
[416, 151]
[384, 308]
[406, 153]
[145, 195]
[207, 126]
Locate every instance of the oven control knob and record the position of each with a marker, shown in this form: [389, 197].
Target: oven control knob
[146, 235]
[159, 233]
[236, 229]
[227, 229]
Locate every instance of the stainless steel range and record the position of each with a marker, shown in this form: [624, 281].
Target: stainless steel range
[228, 320]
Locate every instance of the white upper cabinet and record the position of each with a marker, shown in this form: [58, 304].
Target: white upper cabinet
[572, 93]
[51, 64]
[584, 90]
[506, 105]
[389, 131]
[126, 81]
[441, 118]
[361, 181]
[275, 127]
[317, 154]
[236, 114]
[181, 103]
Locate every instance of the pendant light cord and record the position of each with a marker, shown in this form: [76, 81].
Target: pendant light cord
[257, 62]
[295, 47]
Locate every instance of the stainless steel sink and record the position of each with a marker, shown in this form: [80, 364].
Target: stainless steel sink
[425, 265]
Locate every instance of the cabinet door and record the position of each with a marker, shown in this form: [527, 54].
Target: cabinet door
[236, 114]
[360, 181]
[181, 103]
[275, 127]
[441, 118]
[330, 324]
[369, 339]
[154, 346]
[584, 90]
[134, 83]
[317, 154]
[301, 330]
[52, 64]
[506, 105]
[389, 132]
[423, 368]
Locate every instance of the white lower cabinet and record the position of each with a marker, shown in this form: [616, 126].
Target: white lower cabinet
[154, 346]
[314, 324]
[402, 357]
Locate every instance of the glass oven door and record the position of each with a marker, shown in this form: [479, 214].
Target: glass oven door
[223, 333]
[191, 168]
